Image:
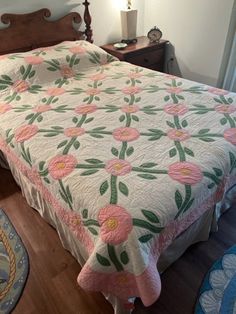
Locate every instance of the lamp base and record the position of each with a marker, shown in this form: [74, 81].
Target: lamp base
[129, 41]
[128, 24]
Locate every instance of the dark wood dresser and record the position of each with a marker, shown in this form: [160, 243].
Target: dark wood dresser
[142, 53]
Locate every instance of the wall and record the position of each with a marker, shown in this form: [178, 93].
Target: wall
[197, 28]
[230, 76]
[225, 77]
[198, 31]
[106, 19]
[105, 13]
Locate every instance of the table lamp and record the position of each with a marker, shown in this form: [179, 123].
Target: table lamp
[129, 24]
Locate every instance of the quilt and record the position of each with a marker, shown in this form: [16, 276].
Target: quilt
[127, 157]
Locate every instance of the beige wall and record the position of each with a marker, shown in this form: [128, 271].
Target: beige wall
[105, 13]
[198, 30]
[106, 18]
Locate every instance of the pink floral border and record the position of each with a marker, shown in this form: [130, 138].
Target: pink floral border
[71, 220]
[147, 285]
[123, 284]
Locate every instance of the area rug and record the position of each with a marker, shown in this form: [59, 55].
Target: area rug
[218, 292]
[14, 265]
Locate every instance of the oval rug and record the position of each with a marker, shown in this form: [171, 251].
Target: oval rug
[14, 265]
[218, 291]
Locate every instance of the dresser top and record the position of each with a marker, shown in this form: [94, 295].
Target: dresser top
[142, 43]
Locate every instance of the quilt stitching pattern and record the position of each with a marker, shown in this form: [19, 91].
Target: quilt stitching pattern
[126, 87]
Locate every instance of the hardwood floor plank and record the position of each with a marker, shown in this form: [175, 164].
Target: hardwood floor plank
[52, 288]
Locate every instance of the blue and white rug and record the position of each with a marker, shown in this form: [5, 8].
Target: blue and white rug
[14, 265]
[218, 292]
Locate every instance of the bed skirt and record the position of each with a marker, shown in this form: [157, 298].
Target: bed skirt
[198, 231]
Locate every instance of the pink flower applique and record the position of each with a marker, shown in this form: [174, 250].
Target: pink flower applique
[77, 50]
[130, 109]
[85, 109]
[56, 91]
[42, 108]
[178, 135]
[116, 224]
[34, 60]
[4, 108]
[134, 75]
[118, 167]
[25, 132]
[61, 166]
[174, 90]
[3, 57]
[98, 77]
[66, 71]
[93, 91]
[20, 86]
[230, 135]
[185, 172]
[74, 221]
[217, 91]
[176, 109]
[131, 90]
[126, 134]
[74, 132]
[34, 176]
[225, 108]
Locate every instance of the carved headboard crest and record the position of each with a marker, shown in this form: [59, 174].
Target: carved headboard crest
[33, 30]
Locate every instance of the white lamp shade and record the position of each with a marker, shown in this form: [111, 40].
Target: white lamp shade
[129, 24]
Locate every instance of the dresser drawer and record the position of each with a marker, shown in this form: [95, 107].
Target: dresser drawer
[147, 59]
[157, 67]
[142, 53]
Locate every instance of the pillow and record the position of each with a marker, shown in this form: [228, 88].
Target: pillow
[30, 70]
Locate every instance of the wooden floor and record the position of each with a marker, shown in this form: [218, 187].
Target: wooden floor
[51, 286]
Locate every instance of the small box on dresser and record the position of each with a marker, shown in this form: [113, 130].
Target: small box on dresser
[143, 53]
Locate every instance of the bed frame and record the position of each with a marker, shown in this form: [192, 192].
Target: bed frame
[32, 30]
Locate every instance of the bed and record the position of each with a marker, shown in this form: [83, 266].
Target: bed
[131, 166]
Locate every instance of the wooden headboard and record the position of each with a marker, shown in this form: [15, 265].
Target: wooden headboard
[29, 31]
